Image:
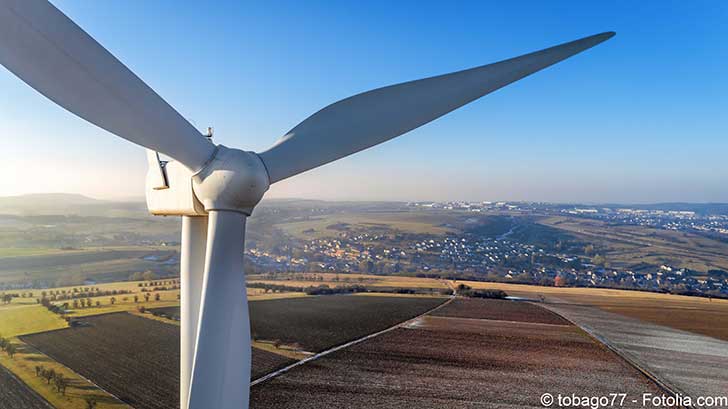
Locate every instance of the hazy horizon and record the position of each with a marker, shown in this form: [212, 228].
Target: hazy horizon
[142, 199]
[639, 119]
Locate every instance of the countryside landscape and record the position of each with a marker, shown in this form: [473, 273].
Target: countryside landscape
[363, 205]
[386, 304]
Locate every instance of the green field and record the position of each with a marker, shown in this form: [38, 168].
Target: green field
[27, 319]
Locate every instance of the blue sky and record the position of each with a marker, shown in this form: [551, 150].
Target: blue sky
[641, 118]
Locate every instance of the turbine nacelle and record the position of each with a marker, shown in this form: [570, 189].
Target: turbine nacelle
[232, 180]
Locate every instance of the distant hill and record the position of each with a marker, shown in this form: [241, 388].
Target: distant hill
[67, 204]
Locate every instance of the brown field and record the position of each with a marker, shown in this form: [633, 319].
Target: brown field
[445, 362]
[630, 245]
[501, 310]
[134, 358]
[694, 314]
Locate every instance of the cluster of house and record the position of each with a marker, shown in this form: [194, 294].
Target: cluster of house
[493, 259]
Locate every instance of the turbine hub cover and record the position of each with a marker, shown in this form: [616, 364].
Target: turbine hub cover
[233, 180]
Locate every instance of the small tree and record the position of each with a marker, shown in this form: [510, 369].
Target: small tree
[90, 403]
[98, 303]
[157, 297]
[49, 375]
[38, 369]
[136, 298]
[112, 300]
[60, 382]
[146, 297]
[11, 350]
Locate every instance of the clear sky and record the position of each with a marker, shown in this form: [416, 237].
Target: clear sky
[641, 118]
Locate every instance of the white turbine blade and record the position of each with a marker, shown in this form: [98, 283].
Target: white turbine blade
[192, 269]
[48, 51]
[221, 370]
[368, 119]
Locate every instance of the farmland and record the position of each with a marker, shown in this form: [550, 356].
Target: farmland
[133, 358]
[22, 319]
[137, 359]
[694, 314]
[69, 266]
[332, 225]
[315, 323]
[337, 280]
[632, 245]
[500, 310]
[440, 361]
[15, 394]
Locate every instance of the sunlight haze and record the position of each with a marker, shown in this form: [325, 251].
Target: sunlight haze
[605, 126]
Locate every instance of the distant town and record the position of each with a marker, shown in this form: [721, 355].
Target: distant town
[676, 248]
[506, 257]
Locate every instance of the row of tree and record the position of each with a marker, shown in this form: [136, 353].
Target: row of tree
[60, 382]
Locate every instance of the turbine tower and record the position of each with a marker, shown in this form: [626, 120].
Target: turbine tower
[215, 188]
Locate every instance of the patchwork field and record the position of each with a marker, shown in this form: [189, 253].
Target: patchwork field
[694, 314]
[14, 394]
[316, 323]
[137, 359]
[134, 358]
[453, 362]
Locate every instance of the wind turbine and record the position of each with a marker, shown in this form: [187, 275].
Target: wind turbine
[215, 188]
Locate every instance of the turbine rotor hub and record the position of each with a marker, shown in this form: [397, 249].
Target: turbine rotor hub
[232, 180]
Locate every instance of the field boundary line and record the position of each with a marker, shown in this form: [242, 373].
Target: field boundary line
[346, 345]
[626, 358]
